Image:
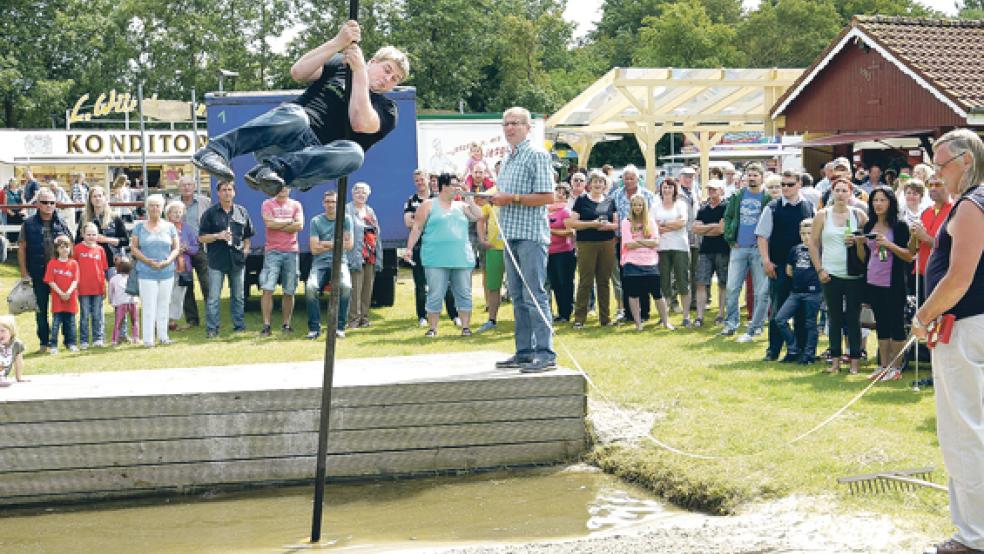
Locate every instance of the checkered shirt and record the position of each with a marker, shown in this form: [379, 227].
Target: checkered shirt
[525, 171]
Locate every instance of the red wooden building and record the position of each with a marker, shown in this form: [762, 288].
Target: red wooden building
[885, 78]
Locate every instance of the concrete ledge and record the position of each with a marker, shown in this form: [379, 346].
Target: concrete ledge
[109, 435]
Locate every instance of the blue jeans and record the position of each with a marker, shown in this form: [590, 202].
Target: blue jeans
[438, 279]
[237, 305]
[65, 320]
[779, 290]
[809, 303]
[742, 261]
[91, 308]
[534, 340]
[282, 138]
[318, 277]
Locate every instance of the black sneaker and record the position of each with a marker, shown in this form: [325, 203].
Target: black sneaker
[211, 333]
[286, 328]
[769, 357]
[265, 331]
[264, 179]
[212, 162]
[727, 332]
[807, 360]
[511, 363]
[538, 366]
[790, 358]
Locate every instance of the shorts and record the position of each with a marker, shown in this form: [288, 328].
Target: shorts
[710, 264]
[279, 267]
[495, 268]
[639, 286]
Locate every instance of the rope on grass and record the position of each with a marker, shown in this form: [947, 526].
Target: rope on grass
[669, 448]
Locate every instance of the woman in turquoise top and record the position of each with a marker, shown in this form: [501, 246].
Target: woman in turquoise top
[446, 253]
[155, 246]
[836, 237]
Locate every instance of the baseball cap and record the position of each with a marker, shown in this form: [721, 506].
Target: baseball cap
[687, 170]
[715, 184]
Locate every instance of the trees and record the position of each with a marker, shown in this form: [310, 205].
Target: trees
[789, 33]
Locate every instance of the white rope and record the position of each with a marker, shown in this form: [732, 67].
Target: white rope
[875, 380]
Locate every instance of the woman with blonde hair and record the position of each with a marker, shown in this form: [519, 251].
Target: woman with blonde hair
[640, 259]
[112, 231]
[155, 247]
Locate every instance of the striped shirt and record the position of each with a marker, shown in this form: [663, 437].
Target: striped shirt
[525, 171]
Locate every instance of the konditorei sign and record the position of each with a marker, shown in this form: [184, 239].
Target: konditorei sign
[98, 145]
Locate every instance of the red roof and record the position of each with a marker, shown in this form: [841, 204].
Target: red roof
[947, 54]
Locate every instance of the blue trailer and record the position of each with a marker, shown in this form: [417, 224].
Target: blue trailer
[388, 169]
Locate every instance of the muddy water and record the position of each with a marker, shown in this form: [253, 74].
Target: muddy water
[394, 515]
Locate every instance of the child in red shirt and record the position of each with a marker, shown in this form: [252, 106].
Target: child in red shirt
[92, 286]
[62, 275]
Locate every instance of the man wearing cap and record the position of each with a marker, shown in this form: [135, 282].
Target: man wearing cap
[690, 194]
[712, 257]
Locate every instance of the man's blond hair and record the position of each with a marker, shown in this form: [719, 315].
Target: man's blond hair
[393, 54]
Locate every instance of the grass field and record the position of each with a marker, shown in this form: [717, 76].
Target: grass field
[717, 399]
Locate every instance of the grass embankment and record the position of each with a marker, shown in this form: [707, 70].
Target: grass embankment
[715, 395]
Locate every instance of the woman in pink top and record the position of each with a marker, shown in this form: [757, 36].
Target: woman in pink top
[561, 261]
[640, 272]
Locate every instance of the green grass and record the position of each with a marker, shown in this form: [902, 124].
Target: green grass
[717, 398]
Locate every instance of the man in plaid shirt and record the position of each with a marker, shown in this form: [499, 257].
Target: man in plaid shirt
[525, 188]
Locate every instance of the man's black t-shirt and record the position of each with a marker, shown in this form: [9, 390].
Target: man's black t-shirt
[412, 203]
[324, 102]
[715, 244]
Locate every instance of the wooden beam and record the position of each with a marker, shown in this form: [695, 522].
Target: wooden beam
[567, 109]
[639, 105]
[647, 82]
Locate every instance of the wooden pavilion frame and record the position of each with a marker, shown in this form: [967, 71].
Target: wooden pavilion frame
[702, 104]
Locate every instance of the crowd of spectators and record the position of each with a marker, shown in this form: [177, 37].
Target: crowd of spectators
[810, 255]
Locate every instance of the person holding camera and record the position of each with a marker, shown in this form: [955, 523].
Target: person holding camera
[837, 251]
[887, 249]
[594, 219]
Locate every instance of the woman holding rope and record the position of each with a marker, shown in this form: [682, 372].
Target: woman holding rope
[953, 316]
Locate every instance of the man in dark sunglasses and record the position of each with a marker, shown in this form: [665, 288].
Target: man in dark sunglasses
[778, 233]
[36, 246]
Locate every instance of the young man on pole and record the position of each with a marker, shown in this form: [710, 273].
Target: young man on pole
[302, 143]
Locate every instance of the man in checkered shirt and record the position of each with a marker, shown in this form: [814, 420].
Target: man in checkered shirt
[525, 188]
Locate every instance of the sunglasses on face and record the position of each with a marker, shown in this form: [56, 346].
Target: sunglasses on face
[793, 184]
[47, 202]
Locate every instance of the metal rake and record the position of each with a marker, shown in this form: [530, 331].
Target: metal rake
[906, 479]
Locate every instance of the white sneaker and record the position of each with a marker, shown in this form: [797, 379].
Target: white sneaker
[73, 348]
[99, 344]
[52, 351]
[340, 334]
[84, 346]
[457, 322]
[745, 338]
[422, 322]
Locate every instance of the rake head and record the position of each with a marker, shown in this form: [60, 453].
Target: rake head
[877, 483]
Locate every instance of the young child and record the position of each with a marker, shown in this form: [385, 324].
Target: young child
[11, 351]
[124, 304]
[806, 295]
[92, 286]
[474, 156]
[62, 275]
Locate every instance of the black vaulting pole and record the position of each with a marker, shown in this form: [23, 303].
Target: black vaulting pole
[332, 320]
